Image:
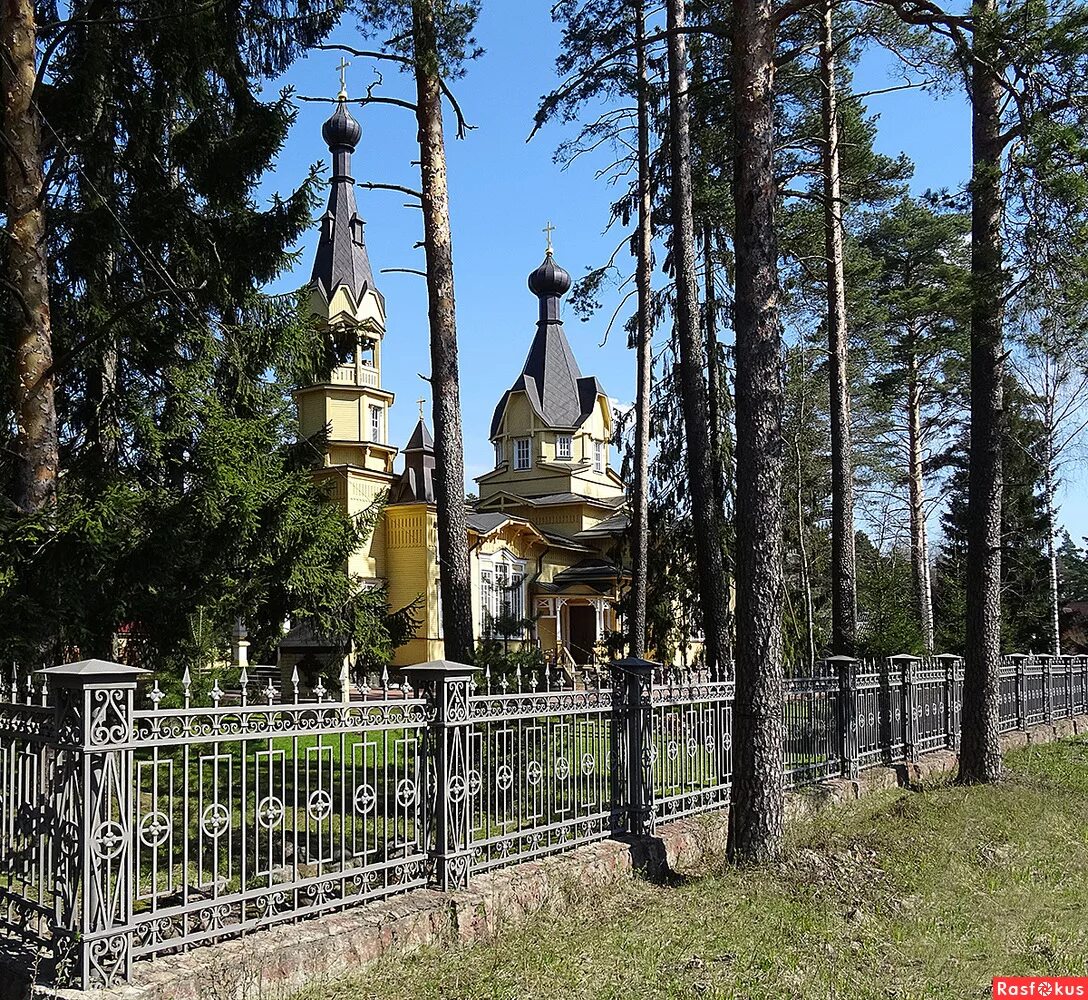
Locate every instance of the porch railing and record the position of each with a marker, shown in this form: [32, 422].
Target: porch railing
[131, 827]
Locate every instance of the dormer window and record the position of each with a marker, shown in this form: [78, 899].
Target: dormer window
[522, 454]
[498, 454]
[563, 447]
[598, 456]
[357, 230]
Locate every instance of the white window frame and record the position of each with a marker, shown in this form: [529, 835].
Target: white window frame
[564, 447]
[375, 423]
[500, 454]
[598, 456]
[519, 443]
[503, 589]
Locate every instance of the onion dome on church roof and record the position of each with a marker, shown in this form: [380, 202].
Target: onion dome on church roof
[341, 129]
[561, 396]
[549, 279]
[342, 259]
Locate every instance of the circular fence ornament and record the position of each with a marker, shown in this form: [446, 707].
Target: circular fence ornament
[270, 812]
[693, 746]
[474, 781]
[406, 792]
[365, 797]
[562, 768]
[319, 805]
[154, 829]
[108, 840]
[215, 820]
[505, 776]
[457, 788]
[587, 764]
[534, 772]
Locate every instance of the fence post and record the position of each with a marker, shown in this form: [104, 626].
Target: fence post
[93, 807]
[951, 727]
[907, 664]
[447, 686]
[632, 720]
[1068, 686]
[847, 670]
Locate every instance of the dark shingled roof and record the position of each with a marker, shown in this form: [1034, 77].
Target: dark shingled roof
[484, 523]
[550, 379]
[341, 251]
[416, 483]
[598, 573]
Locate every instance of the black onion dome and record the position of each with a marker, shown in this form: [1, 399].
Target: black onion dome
[549, 279]
[341, 129]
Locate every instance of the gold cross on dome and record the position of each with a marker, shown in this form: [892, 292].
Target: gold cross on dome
[344, 64]
[421, 401]
[548, 230]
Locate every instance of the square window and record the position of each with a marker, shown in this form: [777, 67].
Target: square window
[522, 457]
[563, 446]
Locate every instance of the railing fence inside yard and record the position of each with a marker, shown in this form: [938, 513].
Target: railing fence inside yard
[129, 828]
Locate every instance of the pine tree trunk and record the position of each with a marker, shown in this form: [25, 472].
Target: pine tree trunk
[1050, 487]
[919, 544]
[715, 388]
[844, 602]
[802, 549]
[26, 271]
[755, 815]
[640, 543]
[708, 552]
[980, 755]
[449, 477]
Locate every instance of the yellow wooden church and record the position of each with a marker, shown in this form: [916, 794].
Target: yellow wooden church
[546, 534]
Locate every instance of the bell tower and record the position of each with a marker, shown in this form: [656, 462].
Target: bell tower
[351, 408]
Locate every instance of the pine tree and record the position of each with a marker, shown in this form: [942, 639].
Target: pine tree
[912, 316]
[433, 40]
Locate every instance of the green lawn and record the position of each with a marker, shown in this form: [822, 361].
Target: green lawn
[902, 895]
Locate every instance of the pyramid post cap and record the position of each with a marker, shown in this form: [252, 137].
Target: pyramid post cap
[93, 671]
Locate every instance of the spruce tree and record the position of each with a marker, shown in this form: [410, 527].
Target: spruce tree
[184, 493]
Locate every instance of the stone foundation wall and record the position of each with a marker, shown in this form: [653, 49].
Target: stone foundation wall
[271, 964]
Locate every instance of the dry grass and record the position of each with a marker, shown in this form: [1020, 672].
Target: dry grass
[903, 895]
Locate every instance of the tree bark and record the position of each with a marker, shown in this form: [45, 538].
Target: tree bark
[715, 388]
[755, 815]
[713, 594]
[1050, 488]
[640, 545]
[980, 755]
[844, 602]
[802, 549]
[919, 541]
[26, 276]
[455, 582]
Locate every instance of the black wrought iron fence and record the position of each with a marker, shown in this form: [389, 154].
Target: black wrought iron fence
[128, 828]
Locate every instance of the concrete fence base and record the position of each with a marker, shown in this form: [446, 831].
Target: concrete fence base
[271, 964]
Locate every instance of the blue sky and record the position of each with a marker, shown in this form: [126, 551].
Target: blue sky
[503, 191]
